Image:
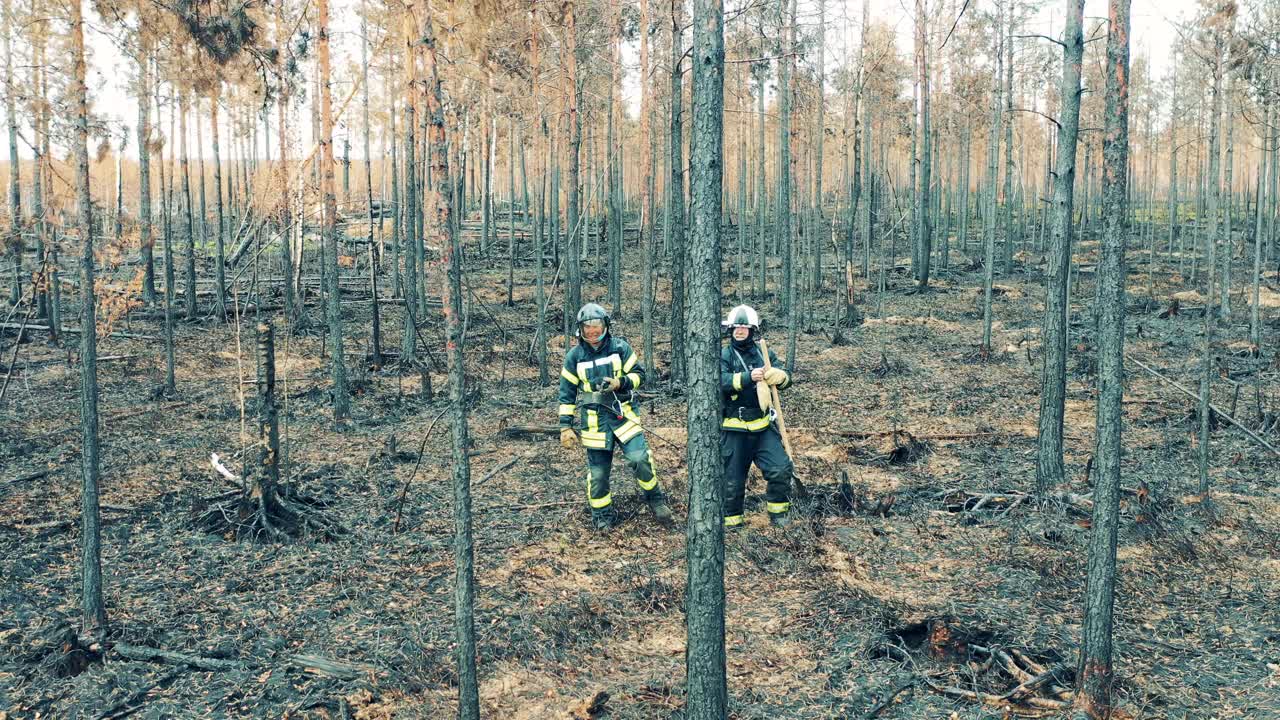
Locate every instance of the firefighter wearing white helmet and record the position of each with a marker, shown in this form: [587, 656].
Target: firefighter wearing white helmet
[747, 431]
[597, 383]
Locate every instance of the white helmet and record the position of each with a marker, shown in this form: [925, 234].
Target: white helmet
[742, 316]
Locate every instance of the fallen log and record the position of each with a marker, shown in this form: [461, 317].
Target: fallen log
[149, 654]
[330, 668]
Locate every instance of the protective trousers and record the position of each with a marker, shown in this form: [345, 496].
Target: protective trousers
[600, 464]
[764, 448]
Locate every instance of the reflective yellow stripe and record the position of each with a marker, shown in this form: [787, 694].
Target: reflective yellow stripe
[775, 508]
[617, 365]
[631, 362]
[628, 413]
[597, 503]
[627, 431]
[653, 472]
[635, 380]
[594, 440]
[568, 376]
[737, 381]
[734, 423]
[732, 520]
[593, 421]
[566, 409]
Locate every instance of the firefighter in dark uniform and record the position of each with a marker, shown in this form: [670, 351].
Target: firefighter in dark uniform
[747, 431]
[597, 383]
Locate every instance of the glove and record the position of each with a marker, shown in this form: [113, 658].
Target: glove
[567, 438]
[764, 397]
[774, 376]
[609, 384]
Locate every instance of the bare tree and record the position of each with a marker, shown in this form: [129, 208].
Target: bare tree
[93, 611]
[1095, 674]
[705, 659]
[338, 366]
[1053, 379]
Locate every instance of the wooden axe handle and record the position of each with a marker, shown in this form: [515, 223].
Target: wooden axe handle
[777, 403]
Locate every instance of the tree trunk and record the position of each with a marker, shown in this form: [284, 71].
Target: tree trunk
[145, 240]
[292, 305]
[705, 658]
[338, 368]
[1219, 41]
[409, 218]
[1053, 380]
[573, 249]
[1010, 233]
[675, 199]
[993, 154]
[170, 277]
[190, 268]
[93, 611]
[540, 338]
[783, 215]
[375, 330]
[15, 241]
[1255, 319]
[220, 232]
[614, 202]
[1094, 674]
[1227, 251]
[646, 192]
[464, 588]
[924, 237]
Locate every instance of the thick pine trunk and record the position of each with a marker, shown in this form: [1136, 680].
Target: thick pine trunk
[705, 658]
[1095, 675]
[93, 611]
[1053, 380]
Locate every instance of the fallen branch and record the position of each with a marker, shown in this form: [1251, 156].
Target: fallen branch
[500, 468]
[317, 665]
[150, 654]
[1212, 407]
[28, 477]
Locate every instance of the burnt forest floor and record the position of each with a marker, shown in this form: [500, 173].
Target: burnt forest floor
[893, 594]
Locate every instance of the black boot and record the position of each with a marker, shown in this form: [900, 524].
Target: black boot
[659, 508]
[604, 519]
[781, 519]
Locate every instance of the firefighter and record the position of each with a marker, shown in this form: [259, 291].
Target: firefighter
[597, 383]
[747, 430]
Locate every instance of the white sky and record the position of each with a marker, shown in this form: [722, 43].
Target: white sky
[1153, 34]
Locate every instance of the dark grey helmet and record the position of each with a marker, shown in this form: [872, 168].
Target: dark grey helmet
[592, 311]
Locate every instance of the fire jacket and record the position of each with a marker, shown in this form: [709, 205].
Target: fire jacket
[602, 415]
